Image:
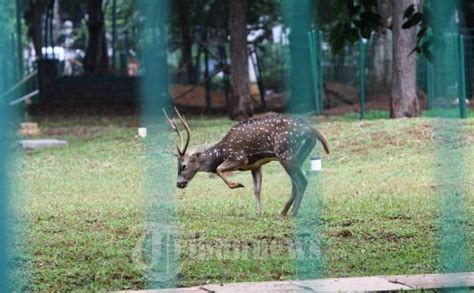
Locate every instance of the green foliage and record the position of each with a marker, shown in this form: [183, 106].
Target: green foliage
[8, 21]
[9, 257]
[214, 15]
[199, 14]
[127, 20]
[425, 36]
[359, 18]
[354, 19]
[263, 14]
[433, 20]
[72, 10]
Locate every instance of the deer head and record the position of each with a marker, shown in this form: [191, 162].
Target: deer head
[188, 162]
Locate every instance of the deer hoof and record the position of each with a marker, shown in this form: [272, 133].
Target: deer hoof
[234, 185]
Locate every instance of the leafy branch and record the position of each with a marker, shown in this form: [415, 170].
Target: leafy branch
[355, 19]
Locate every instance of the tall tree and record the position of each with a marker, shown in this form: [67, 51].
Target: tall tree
[241, 104]
[403, 98]
[34, 10]
[186, 42]
[380, 70]
[96, 61]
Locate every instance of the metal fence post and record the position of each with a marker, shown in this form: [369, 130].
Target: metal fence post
[462, 77]
[429, 83]
[19, 12]
[15, 76]
[320, 69]
[362, 48]
[114, 36]
[5, 146]
[314, 70]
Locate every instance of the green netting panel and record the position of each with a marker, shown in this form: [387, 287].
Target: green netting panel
[160, 250]
[342, 71]
[348, 76]
[308, 230]
[449, 135]
[422, 76]
[304, 87]
[342, 68]
[5, 80]
[298, 16]
[3, 186]
[469, 60]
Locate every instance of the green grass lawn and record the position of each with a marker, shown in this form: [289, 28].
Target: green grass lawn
[85, 207]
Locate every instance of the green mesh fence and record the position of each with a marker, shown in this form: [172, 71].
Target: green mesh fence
[308, 230]
[160, 251]
[342, 72]
[469, 60]
[449, 134]
[342, 68]
[4, 285]
[5, 81]
[298, 18]
[305, 87]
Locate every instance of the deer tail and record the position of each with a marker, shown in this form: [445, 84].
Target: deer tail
[322, 139]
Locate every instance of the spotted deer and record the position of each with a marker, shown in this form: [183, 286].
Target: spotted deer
[247, 147]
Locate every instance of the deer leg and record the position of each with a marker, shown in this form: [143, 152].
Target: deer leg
[257, 186]
[297, 176]
[294, 187]
[230, 165]
[302, 183]
[290, 200]
[299, 183]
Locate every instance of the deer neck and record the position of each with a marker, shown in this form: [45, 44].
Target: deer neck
[210, 159]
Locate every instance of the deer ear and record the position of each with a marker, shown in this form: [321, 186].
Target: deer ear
[196, 155]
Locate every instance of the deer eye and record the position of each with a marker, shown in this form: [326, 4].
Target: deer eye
[183, 167]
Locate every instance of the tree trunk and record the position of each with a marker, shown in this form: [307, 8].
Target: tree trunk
[96, 61]
[36, 28]
[56, 21]
[403, 99]
[241, 103]
[381, 71]
[186, 45]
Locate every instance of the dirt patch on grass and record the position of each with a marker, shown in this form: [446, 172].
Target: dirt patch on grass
[371, 136]
[74, 131]
[378, 102]
[344, 234]
[422, 131]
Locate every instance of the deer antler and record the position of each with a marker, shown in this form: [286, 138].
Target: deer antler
[184, 145]
[175, 128]
[172, 152]
[188, 130]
